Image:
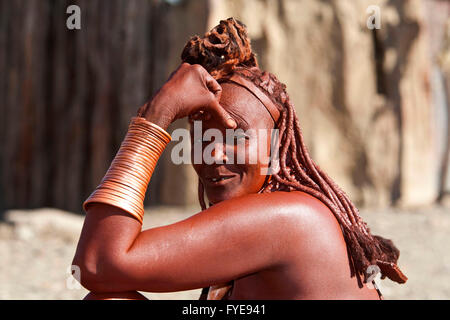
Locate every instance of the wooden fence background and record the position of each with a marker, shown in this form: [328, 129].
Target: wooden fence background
[67, 95]
[373, 104]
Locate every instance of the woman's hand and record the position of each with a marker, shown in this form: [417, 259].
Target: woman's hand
[188, 90]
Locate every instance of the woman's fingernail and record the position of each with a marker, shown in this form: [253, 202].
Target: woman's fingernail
[231, 123]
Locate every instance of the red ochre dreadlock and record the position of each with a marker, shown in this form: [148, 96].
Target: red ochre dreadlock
[226, 50]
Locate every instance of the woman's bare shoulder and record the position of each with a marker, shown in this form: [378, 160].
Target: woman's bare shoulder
[306, 226]
[294, 210]
[297, 224]
[279, 202]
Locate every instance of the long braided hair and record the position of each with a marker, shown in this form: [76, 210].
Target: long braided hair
[226, 50]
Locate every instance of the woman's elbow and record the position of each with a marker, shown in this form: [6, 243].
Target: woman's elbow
[93, 273]
[85, 272]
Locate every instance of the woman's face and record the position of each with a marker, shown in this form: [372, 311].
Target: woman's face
[243, 151]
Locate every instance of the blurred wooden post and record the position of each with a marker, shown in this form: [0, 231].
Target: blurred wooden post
[67, 95]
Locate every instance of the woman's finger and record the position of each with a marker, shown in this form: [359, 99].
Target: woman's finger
[213, 85]
[216, 108]
[221, 114]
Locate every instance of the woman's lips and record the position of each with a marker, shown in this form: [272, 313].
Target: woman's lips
[219, 180]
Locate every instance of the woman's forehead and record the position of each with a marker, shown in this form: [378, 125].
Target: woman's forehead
[244, 107]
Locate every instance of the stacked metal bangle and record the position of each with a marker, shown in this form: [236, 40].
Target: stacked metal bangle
[126, 180]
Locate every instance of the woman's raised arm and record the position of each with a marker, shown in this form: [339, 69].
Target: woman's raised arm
[114, 255]
[222, 243]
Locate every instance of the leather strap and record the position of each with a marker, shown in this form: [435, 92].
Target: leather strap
[260, 95]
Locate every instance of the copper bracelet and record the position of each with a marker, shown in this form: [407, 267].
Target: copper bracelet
[125, 183]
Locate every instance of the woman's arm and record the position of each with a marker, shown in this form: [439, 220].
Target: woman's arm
[216, 245]
[222, 243]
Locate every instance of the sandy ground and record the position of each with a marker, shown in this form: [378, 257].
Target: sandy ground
[37, 246]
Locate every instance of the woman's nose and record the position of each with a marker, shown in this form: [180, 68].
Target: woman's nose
[219, 153]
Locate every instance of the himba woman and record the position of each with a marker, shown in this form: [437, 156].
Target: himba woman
[287, 234]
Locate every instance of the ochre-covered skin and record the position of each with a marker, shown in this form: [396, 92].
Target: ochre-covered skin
[280, 245]
[293, 234]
